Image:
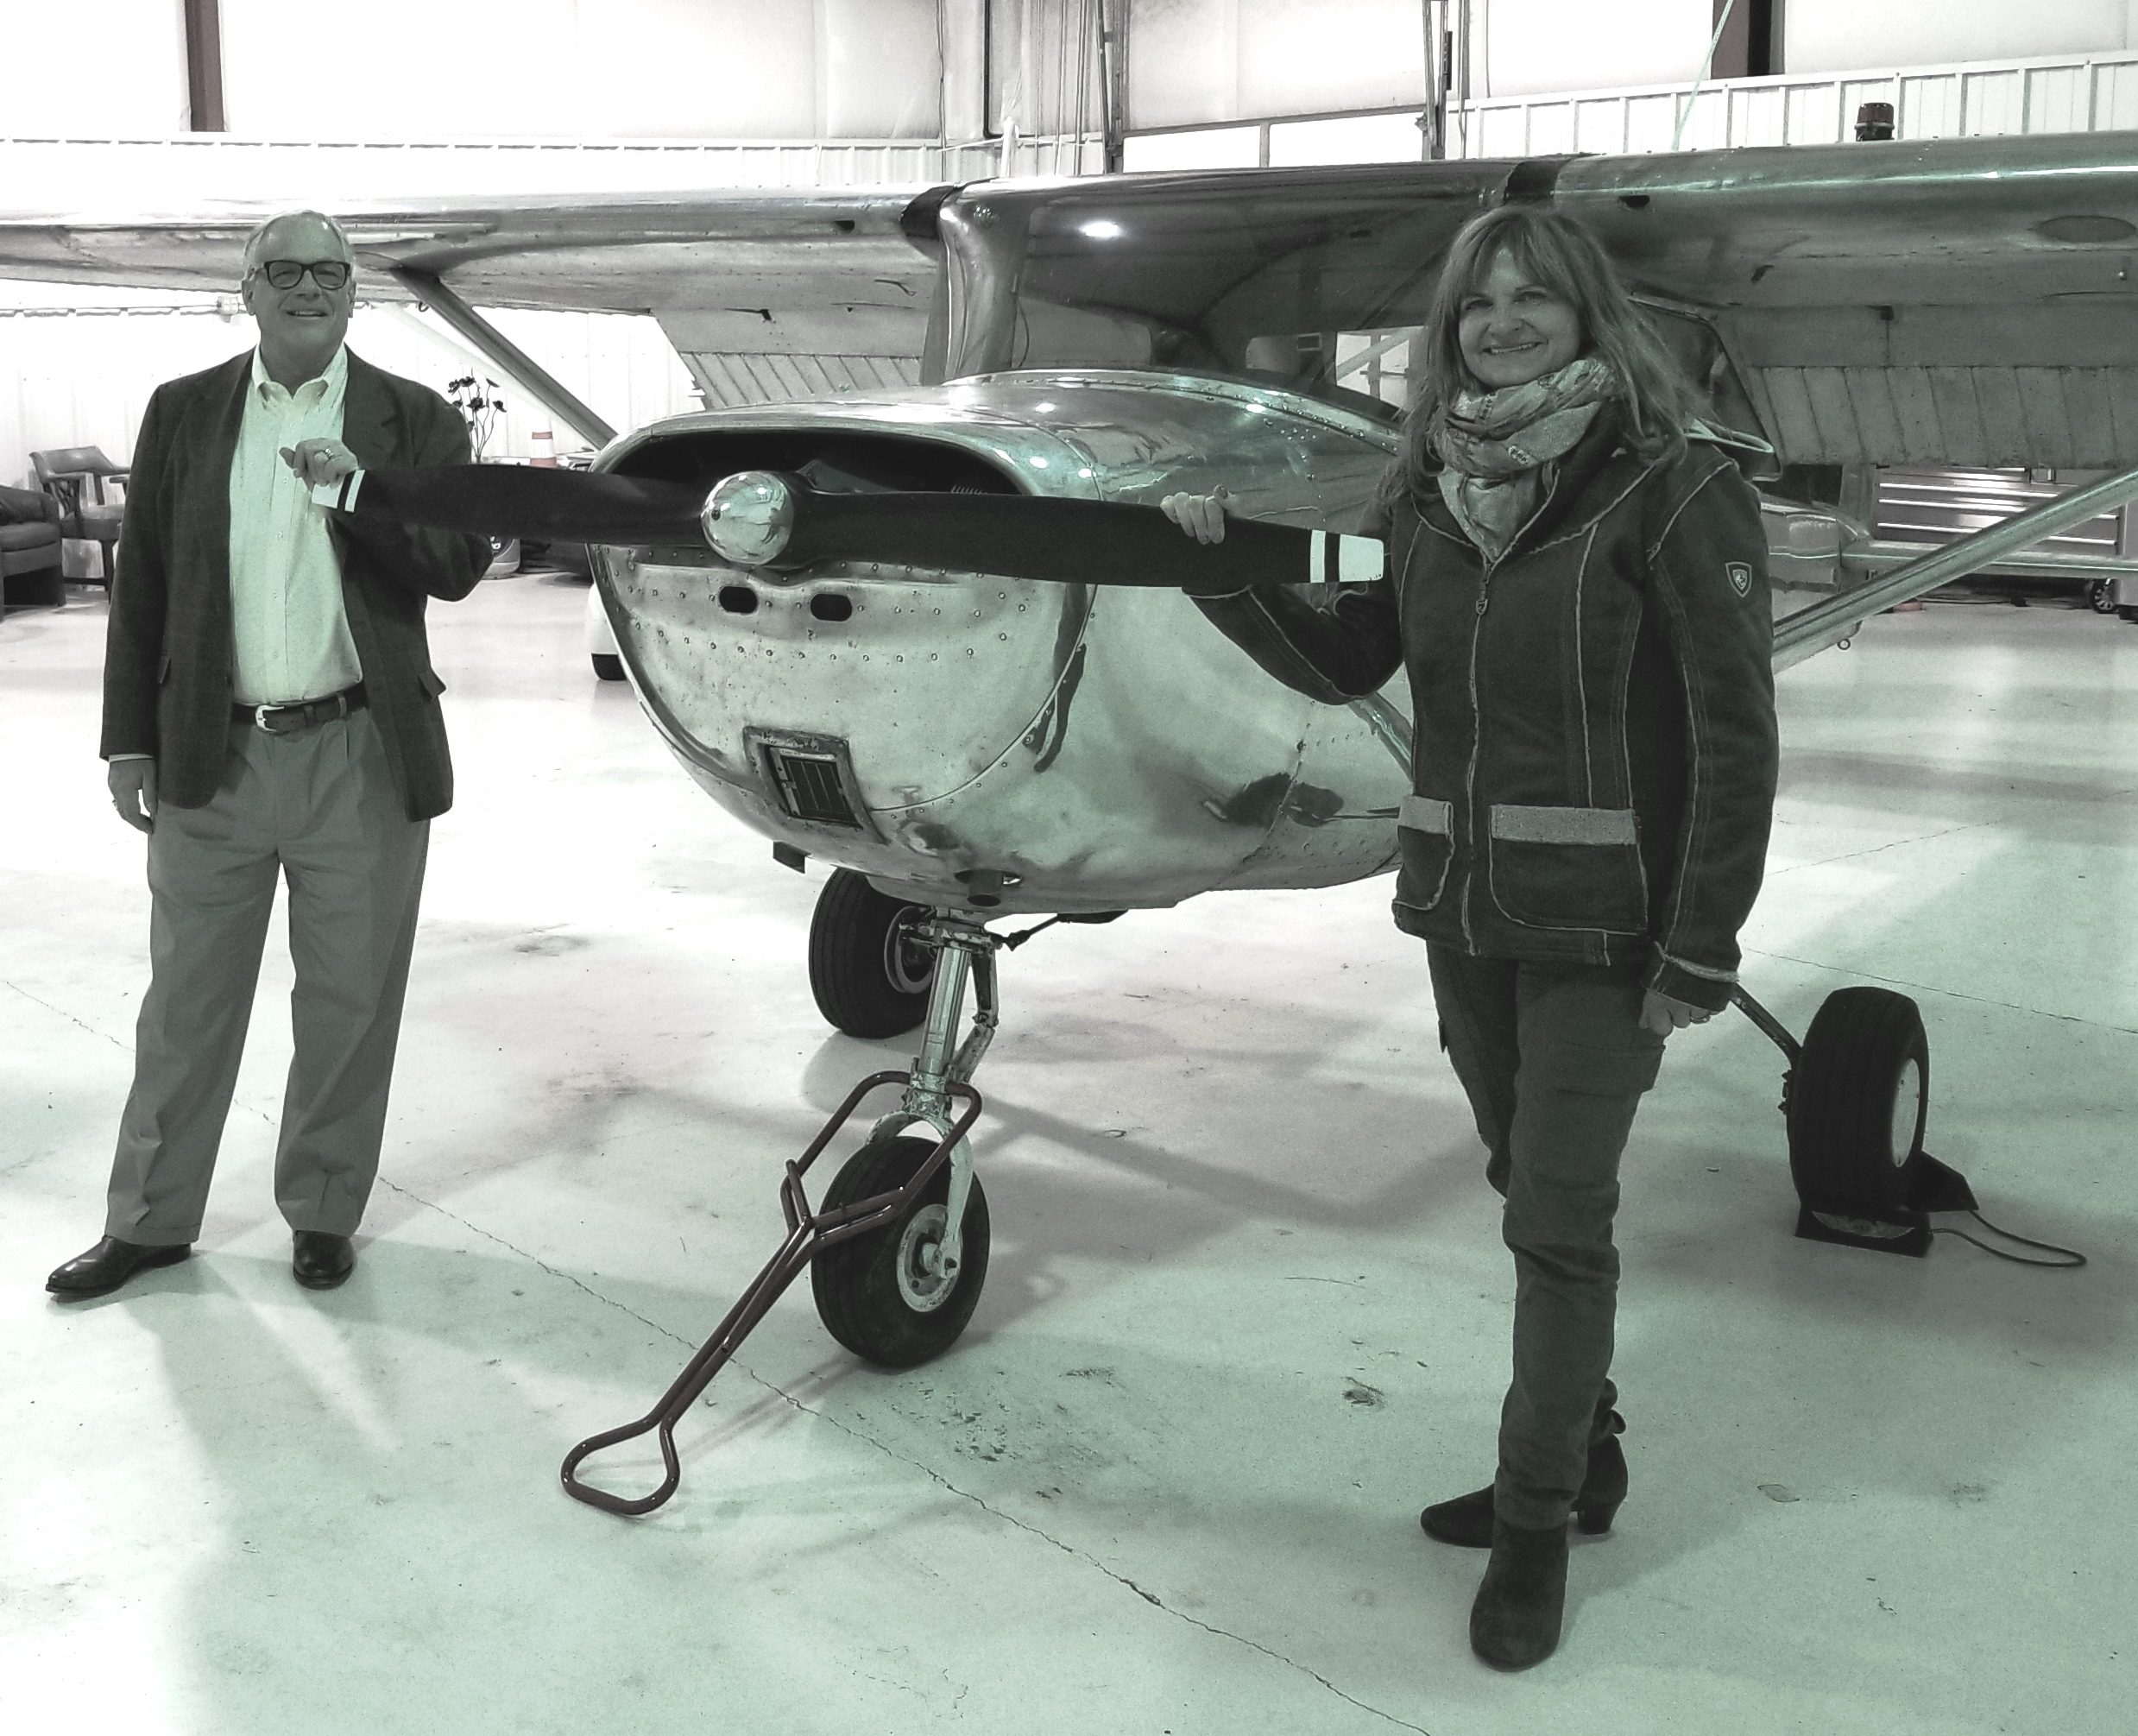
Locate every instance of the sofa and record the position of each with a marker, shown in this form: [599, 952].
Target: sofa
[29, 548]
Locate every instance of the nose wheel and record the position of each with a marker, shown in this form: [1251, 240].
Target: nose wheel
[900, 1296]
[898, 1249]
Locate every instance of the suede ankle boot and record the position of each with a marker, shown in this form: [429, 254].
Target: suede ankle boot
[1467, 1521]
[1515, 1620]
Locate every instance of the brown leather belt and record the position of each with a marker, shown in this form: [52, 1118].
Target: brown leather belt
[302, 714]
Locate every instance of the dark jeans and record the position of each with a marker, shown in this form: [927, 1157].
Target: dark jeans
[1555, 1061]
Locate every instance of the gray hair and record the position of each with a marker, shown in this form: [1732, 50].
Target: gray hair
[256, 242]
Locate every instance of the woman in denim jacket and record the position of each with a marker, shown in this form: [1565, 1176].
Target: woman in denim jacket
[1576, 584]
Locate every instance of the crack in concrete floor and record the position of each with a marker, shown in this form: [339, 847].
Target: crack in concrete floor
[1875, 849]
[61, 1012]
[929, 1470]
[1940, 990]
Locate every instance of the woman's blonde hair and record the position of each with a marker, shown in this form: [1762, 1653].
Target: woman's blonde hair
[1556, 251]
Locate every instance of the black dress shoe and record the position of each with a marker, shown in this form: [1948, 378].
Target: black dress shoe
[109, 1265]
[319, 1260]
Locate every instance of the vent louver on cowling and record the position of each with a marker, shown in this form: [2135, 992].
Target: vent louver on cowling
[812, 788]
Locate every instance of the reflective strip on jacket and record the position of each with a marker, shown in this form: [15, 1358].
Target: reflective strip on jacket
[1594, 750]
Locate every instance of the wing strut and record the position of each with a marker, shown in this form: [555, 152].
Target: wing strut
[1797, 636]
[536, 380]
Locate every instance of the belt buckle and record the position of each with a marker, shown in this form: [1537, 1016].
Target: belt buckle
[260, 720]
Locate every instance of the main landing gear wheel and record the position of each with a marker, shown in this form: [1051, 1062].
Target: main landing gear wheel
[868, 973]
[2101, 596]
[1859, 1097]
[876, 1293]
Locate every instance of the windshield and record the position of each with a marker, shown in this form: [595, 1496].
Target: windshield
[1313, 283]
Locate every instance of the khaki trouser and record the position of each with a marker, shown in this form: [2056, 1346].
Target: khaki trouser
[1555, 1061]
[319, 809]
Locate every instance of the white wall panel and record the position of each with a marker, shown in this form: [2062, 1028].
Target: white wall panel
[1045, 72]
[1841, 35]
[1184, 62]
[118, 66]
[1523, 47]
[1195, 61]
[2093, 93]
[1209, 147]
[882, 77]
[1307, 56]
[619, 68]
[1348, 139]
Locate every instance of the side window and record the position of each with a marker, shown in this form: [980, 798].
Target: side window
[1375, 364]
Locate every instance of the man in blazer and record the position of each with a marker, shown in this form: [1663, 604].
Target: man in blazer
[270, 713]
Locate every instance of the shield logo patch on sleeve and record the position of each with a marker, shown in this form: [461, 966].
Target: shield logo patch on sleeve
[1740, 578]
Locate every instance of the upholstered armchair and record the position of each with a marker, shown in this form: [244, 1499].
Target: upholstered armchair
[79, 478]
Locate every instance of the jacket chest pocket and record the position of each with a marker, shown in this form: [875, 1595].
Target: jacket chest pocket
[1425, 835]
[1567, 868]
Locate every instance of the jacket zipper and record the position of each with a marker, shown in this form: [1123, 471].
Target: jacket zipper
[1477, 709]
[1477, 734]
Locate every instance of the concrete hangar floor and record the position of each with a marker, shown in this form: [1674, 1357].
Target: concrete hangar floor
[1247, 1311]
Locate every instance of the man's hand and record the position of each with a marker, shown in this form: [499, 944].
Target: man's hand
[1662, 1015]
[1202, 516]
[320, 460]
[133, 784]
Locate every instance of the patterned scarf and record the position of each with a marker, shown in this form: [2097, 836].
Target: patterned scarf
[1496, 447]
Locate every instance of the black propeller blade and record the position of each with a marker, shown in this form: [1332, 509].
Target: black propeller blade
[1040, 537]
[541, 505]
[1011, 536]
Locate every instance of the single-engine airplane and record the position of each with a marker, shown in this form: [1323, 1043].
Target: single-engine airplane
[919, 619]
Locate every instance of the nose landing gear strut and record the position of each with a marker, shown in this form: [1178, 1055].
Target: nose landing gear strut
[899, 1244]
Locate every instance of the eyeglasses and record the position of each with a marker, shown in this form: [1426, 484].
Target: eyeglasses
[288, 273]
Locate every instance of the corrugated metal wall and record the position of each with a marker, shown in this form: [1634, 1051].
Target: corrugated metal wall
[2056, 94]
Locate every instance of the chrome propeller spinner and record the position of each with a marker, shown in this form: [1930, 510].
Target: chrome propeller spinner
[748, 518]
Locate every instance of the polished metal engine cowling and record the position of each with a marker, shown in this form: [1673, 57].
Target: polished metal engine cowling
[960, 737]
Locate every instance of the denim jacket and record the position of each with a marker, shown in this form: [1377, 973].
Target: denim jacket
[1594, 750]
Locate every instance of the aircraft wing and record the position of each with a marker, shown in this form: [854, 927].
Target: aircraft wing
[1959, 301]
[1956, 301]
[841, 277]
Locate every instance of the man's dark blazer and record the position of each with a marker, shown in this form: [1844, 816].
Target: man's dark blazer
[167, 669]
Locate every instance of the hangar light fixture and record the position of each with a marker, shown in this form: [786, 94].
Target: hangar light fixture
[1102, 229]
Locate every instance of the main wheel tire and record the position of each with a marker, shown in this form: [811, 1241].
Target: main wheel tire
[870, 977]
[873, 1294]
[2101, 596]
[1859, 1098]
[608, 664]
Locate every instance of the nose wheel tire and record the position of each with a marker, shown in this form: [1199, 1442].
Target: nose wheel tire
[1860, 1095]
[869, 975]
[879, 1294]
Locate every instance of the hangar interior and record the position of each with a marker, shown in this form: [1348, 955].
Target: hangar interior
[1247, 1305]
